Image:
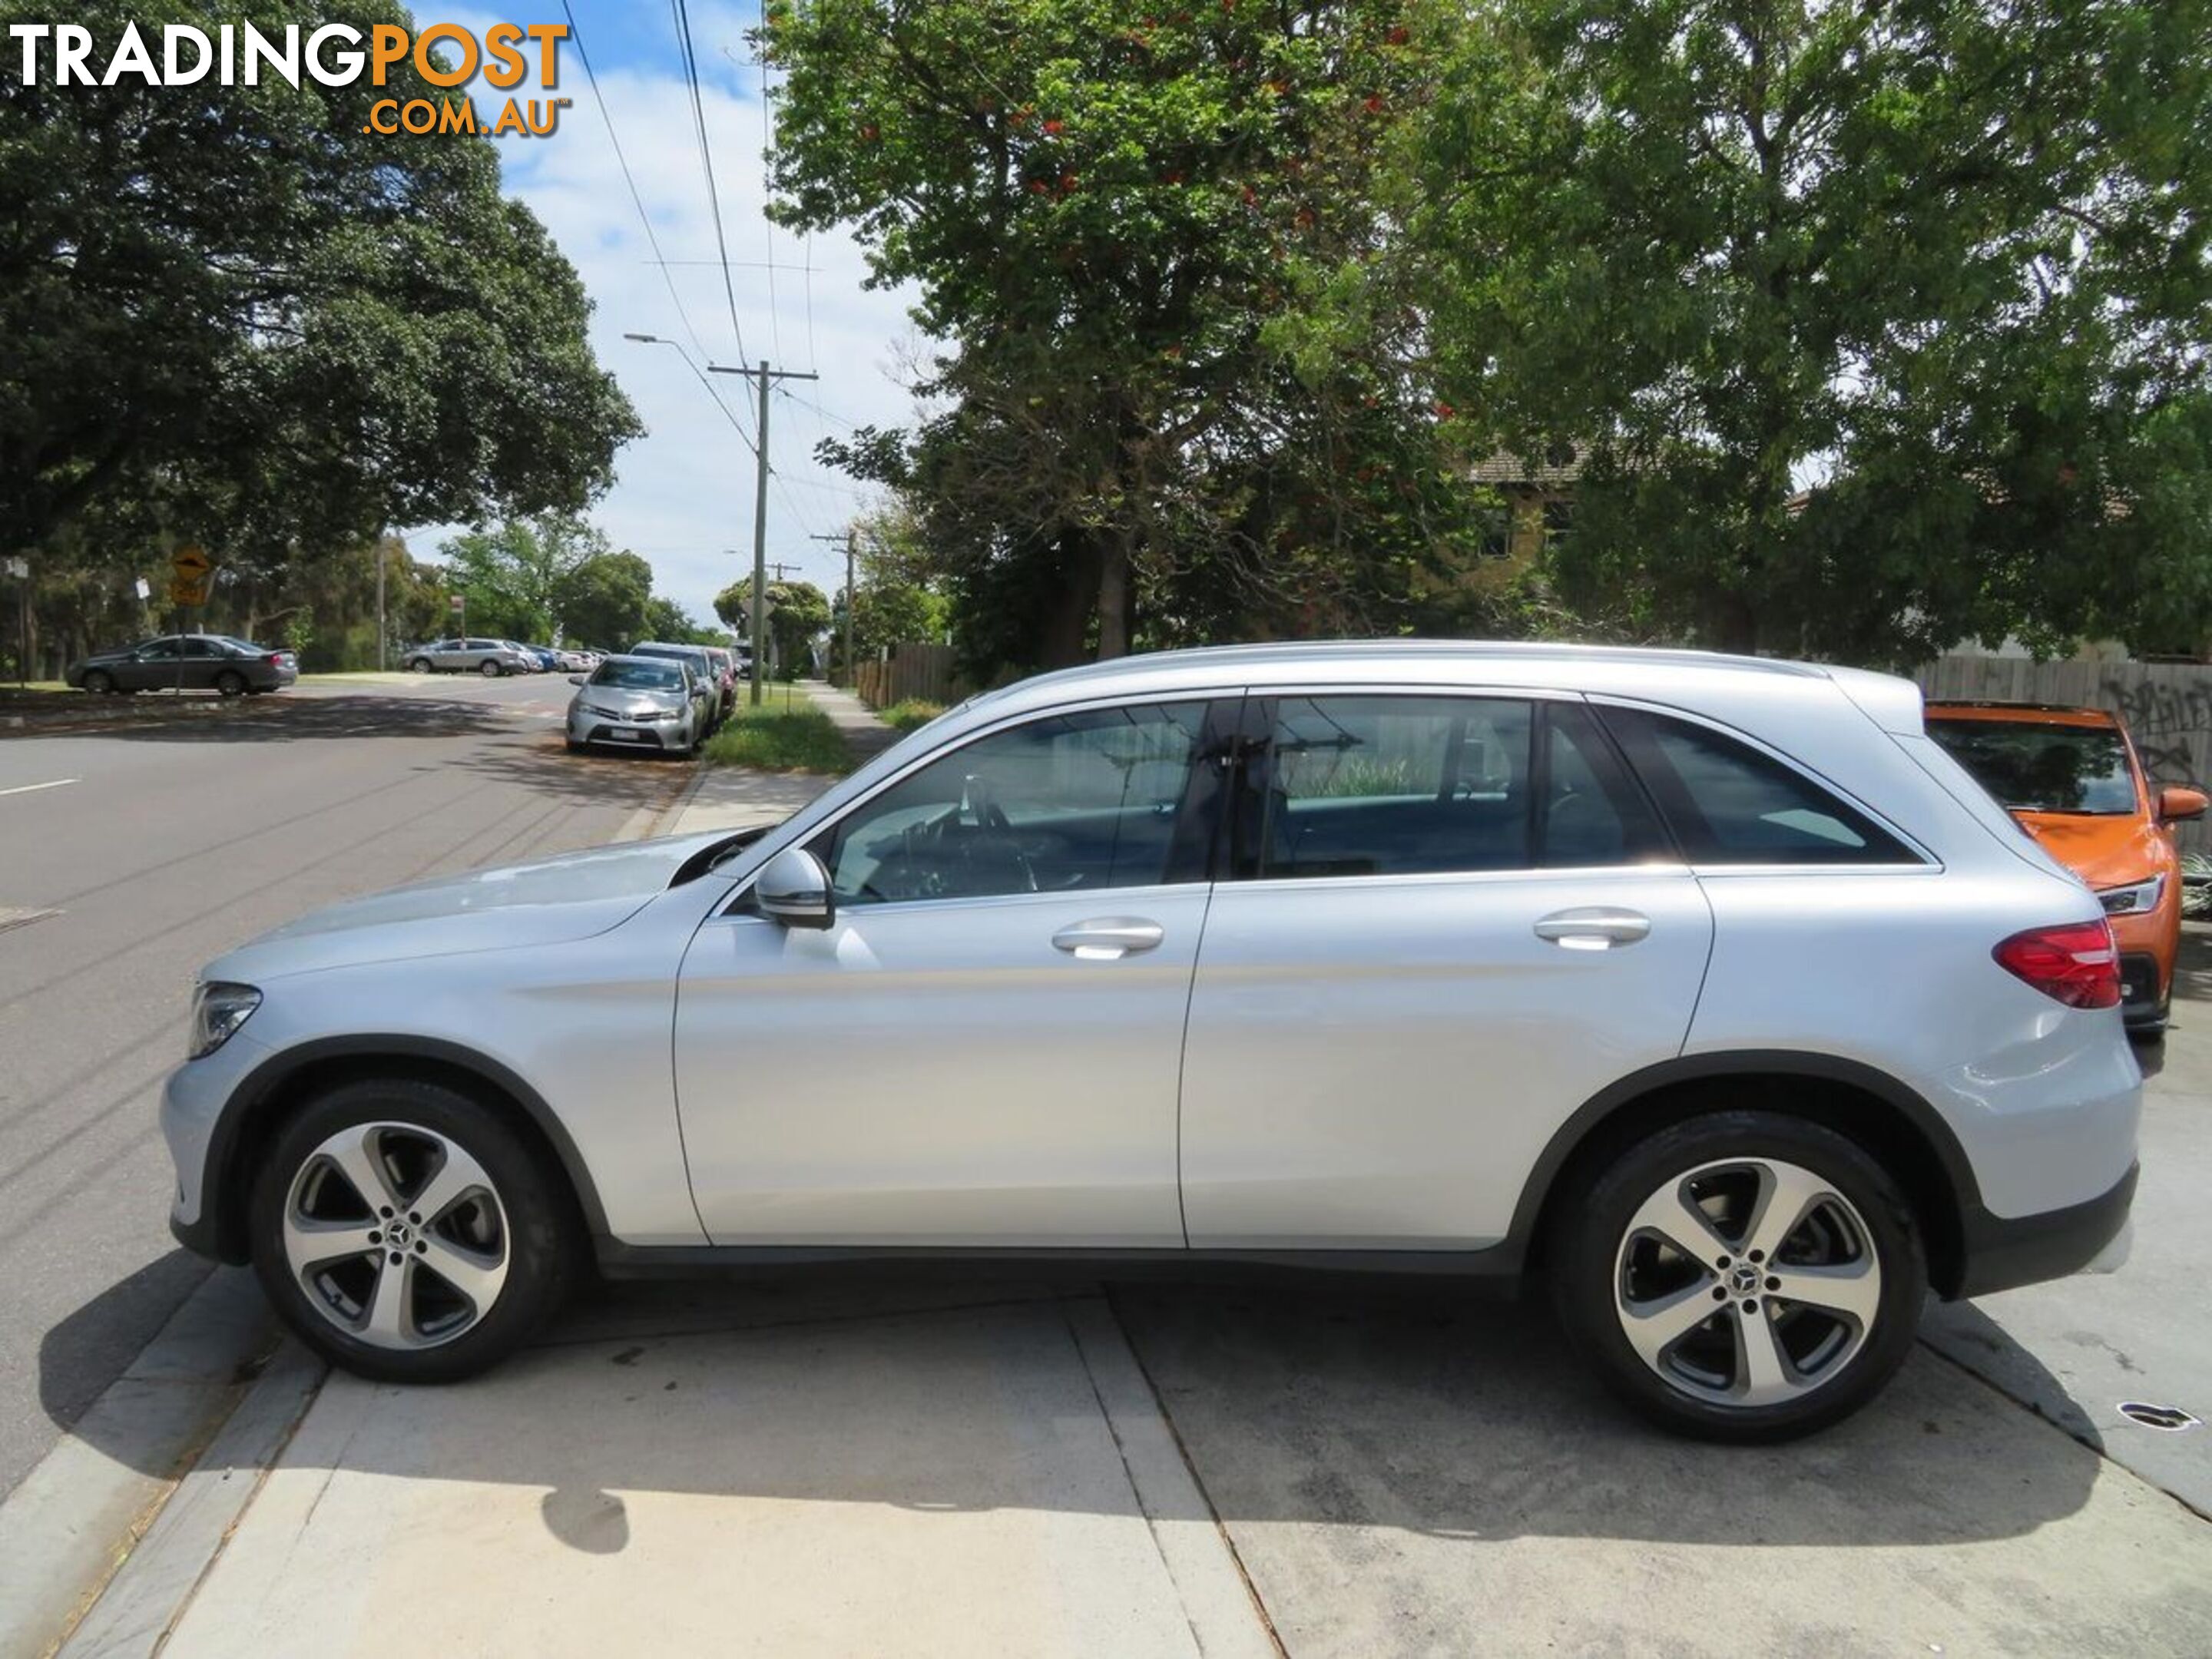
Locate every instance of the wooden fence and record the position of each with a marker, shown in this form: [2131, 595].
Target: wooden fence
[2167, 706]
[906, 673]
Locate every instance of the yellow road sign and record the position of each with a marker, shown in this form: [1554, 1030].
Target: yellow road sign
[191, 562]
[184, 592]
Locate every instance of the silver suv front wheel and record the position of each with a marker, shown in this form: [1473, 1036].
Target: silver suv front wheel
[410, 1231]
[396, 1234]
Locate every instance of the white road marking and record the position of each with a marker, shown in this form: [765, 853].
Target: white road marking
[27, 788]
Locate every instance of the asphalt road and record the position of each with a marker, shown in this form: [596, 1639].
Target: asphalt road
[158, 843]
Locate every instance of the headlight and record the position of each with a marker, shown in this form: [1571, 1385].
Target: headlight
[218, 1011]
[2134, 899]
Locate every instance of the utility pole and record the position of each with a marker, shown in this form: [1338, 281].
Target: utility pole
[381, 550]
[768, 377]
[852, 540]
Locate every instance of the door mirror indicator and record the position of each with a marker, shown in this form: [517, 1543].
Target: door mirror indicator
[794, 890]
[2177, 805]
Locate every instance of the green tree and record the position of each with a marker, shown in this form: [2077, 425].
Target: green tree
[797, 612]
[1879, 326]
[515, 574]
[670, 622]
[603, 601]
[1106, 207]
[233, 314]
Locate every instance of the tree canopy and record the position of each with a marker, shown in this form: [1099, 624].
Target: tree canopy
[233, 315]
[797, 612]
[1876, 326]
[1105, 207]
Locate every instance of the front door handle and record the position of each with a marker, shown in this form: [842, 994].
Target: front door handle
[1108, 939]
[1596, 927]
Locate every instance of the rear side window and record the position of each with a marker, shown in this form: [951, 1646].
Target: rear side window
[1395, 786]
[1729, 804]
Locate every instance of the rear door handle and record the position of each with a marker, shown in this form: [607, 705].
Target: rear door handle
[1596, 927]
[1108, 939]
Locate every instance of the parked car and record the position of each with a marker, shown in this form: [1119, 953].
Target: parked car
[726, 676]
[544, 658]
[1710, 990]
[489, 658]
[703, 663]
[193, 662]
[638, 703]
[574, 662]
[2072, 778]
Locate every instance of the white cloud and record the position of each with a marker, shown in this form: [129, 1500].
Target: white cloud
[685, 490]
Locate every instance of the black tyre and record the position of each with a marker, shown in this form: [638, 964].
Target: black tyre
[489, 669]
[419, 666]
[230, 683]
[463, 1247]
[1743, 1276]
[99, 682]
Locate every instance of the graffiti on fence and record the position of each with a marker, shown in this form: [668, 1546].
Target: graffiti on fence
[2170, 723]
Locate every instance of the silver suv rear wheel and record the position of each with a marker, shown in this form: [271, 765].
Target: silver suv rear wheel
[1747, 1282]
[1741, 1275]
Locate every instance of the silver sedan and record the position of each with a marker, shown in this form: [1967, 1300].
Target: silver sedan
[635, 702]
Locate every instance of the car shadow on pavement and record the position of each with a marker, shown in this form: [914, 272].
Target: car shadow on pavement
[278, 719]
[1412, 1407]
[544, 765]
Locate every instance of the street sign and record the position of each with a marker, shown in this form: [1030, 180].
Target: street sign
[18, 569]
[191, 562]
[145, 589]
[185, 593]
[459, 602]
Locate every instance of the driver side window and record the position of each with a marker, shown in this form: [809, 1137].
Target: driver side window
[1070, 803]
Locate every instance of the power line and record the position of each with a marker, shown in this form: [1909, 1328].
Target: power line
[606, 114]
[707, 161]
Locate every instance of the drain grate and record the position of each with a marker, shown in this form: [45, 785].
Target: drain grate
[2171, 1419]
[21, 918]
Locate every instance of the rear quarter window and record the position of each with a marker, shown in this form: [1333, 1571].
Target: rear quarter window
[1729, 803]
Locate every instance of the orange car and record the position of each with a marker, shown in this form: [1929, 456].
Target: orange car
[2072, 778]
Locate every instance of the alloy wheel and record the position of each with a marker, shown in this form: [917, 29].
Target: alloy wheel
[1747, 1282]
[396, 1234]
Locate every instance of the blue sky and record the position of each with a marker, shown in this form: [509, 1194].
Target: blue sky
[685, 490]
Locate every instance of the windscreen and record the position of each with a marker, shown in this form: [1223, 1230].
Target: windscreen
[2030, 767]
[636, 676]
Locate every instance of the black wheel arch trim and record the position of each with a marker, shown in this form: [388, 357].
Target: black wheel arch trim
[221, 1230]
[1601, 1108]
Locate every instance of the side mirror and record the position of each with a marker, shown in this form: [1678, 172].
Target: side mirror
[2175, 805]
[794, 890]
[576, 679]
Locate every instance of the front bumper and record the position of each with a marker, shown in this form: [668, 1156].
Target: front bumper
[2002, 1253]
[591, 727]
[199, 1129]
[2142, 988]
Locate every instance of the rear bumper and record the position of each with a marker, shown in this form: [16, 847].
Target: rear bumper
[2142, 988]
[2003, 1253]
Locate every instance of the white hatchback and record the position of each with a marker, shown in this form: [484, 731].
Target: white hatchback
[1709, 990]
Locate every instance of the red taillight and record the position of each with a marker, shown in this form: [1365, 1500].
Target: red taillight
[2077, 963]
[276, 660]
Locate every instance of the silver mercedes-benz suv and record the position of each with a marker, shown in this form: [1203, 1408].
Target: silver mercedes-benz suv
[1709, 991]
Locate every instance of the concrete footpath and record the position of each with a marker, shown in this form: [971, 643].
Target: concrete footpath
[738, 798]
